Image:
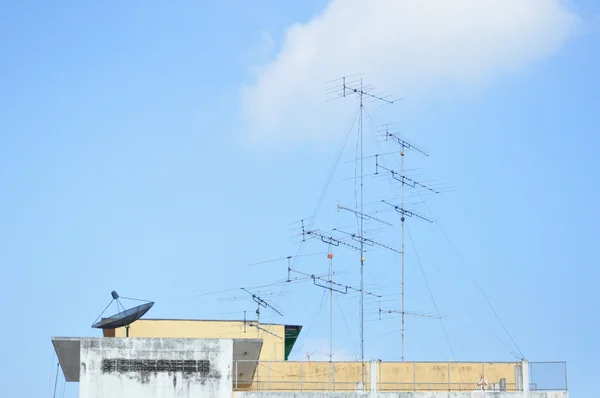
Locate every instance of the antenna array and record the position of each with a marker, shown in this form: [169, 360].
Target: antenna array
[357, 241]
[260, 303]
[411, 183]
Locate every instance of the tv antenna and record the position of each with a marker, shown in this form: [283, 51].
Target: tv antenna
[123, 317]
[411, 183]
[260, 303]
[354, 86]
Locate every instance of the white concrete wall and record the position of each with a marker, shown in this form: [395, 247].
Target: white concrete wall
[100, 379]
[477, 394]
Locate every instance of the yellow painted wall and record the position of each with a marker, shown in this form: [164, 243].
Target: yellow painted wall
[431, 376]
[391, 376]
[308, 376]
[273, 348]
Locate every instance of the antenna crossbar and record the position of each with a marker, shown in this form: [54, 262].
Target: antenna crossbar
[250, 323]
[407, 212]
[405, 144]
[402, 178]
[381, 311]
[346, 287]
[364, 92]
[261, 302]
[330, 240]
[407, 313]
[367, 216]
[345, 291]
[368, 241]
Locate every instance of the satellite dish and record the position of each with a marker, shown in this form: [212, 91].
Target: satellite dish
[123, 317]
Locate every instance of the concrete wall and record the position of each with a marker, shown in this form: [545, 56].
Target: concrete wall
[475, 394]
[390, 376]
[155, 368]
[273, 348]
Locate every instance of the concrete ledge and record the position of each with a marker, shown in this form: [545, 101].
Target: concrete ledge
[68, 351]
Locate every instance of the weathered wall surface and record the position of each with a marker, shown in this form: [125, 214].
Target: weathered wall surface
[475, 394]
[390, 376]
[273, 347]
[155, 368]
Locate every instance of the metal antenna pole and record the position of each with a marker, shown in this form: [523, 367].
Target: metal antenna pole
[404, 212]
[330, 255]
[360, 91]
[258, 321]
[362, 258]
[402, 250]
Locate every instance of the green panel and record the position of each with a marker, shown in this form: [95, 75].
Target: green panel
[291, 335]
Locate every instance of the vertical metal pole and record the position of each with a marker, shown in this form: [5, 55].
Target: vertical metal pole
[566, 385]
[258, 321]
[449, 377]
[402, 250]
[362, 258]
[380, 380]
[236, 374]
[330, 304]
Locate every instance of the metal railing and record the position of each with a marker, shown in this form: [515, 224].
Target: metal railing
[383, 376]
[300, 376]
[448, 376]
[548, 376]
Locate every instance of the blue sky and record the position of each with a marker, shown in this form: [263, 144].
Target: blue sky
[157, 150]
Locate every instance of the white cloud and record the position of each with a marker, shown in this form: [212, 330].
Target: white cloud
[409, 47]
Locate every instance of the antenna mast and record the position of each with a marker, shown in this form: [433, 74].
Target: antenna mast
[403, 213]
[361, 94]
[330, 257]
[362, 242]
[402, 218]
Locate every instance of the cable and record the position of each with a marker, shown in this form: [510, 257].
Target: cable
[347, 326]
[463, 262]
[313, 320]
[64, 387]
[479, 320]
[51, 371]
[55, 381]
[323, 192]
[430, 292]
[332, 172]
